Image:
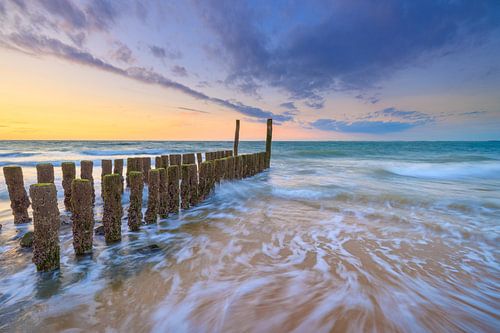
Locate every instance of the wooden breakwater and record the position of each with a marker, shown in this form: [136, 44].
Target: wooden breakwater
[177, 181]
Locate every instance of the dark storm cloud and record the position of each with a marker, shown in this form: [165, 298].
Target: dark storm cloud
[353, 45]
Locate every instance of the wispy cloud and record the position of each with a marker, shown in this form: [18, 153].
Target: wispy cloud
[179, 71]
[162, 52]
[191, 110]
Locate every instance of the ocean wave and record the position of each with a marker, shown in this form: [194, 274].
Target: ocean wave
[445, 170]
[123, 152]
[17, 154]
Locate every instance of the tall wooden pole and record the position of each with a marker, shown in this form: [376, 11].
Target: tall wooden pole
[269, 138]
[236, 138]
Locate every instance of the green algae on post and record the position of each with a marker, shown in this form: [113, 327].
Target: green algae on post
[86, 173]
[118, 169]
[146, 166]
[19, 200]
[153, 197]
[46, 222]
[113, 211]
[163, 189]
[173, 189]
[135, 206]
[68, 175]
[82, 216]
[185, 198]
[188, 158]
[230, 168]
[45, 173]
[164, 161]
[193, 184]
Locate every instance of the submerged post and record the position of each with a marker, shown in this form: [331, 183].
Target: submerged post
[83, 216]
[19, 201]
[46, 252]
[236, 138]
[45, 173]
[173, 189]
[113, 211]
[86, 173]
[163, 189]
[135, 207]
[153, 197]
[269, 138]
[68, 175]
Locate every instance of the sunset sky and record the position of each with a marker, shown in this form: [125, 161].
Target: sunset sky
[185, 70]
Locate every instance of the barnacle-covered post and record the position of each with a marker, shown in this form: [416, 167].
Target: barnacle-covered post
[164, 161]
[106, 169]
[45, 173]
[146, 166]
[158, 162]
[193, 185]
[163, 189]
[118, 169]
[46, 222]
[135, 207]
[185, 198]
[19, 200]
[83, 216]
[153, 197]
[203, 182]
[188, 158]
[175, 159]
[113, 211]
[68, 175]
[173, 189]
[86, 173]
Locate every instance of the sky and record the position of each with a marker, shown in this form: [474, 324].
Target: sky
[185, 70]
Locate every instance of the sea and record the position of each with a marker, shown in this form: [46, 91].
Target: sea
[334, 237]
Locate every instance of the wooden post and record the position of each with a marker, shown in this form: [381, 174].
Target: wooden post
[83, 216]
[46, 221]
[158, 162]
[236, 137]
[199, 158]
[135, 207]
[113, 211]
[175, 159]
[193, 185]
[164, 161]
[118, 169]
[230, 168]
[68, 175]
[269, 138]
[237, 167]
[188, 158]
[86, 173]
[153, 197]
[218, 172]
[173, 189]
[210, 177]
[130, 168]
[203, 181]
[146, 166]
[163, 193]
[185, 186]
[106, 168]
[19, 201]
[45, 173]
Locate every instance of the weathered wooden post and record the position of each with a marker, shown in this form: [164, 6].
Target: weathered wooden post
[146, 167]
[135, 207]
[230, 168]
[164, 161]
[269, 138]
[46, 222]
[175, 159]
[163, 189]
[210, 177]
[118, 169]
[236, 138]
[86, 173]
[193, 185]
[218, 172]
[158, 162]
[173, 189]
[153, 197]
[228, 153]
[106, 168]
[45, 173]
[188, 158]
[113, 211]
[68, 175]
[185, 186]
[237, 166]
[83, 216]
[131, 166]
[203, 185]
[199, 158]
[19, 201]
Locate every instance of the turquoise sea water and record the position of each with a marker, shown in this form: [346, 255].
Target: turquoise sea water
[343, 236]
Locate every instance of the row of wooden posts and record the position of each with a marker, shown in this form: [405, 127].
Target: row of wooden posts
[178, 181]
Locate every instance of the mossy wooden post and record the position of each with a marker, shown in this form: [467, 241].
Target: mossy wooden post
[188, 158]
[269, 138]
[46, 222]
[68, 175]
[106, 169]
[135, 208]
[228, 153]
[218, 164]
[203, 182]
[237, 162]
[19, 200]
[146, 167]
[185, 198]
[175, 159]
[153, 197]
[113, 211]
[230, 168]
[164, 161]
[158, 162]
[131, 166]
[173, 189]
[210, 177]
[199, 158]
[45, 173]
[118, 169]
[236, 137]
[163, 189]
[83, 216]
[208, 156]
[193, 185]
[86, 173]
